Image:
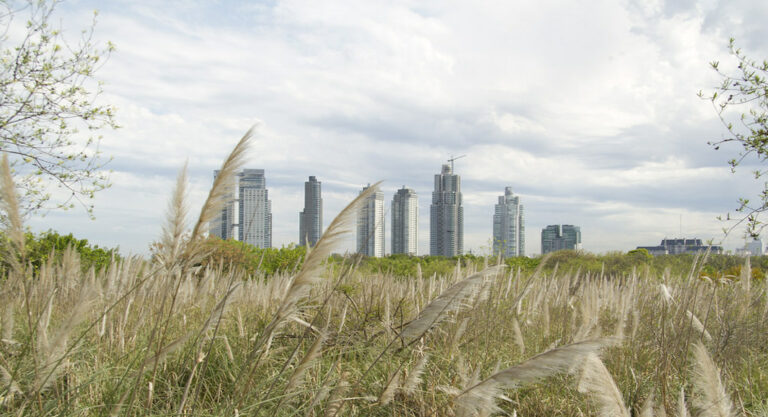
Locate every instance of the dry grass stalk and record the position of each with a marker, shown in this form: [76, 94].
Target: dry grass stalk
[597, 381]
[314, 352]
[682, 410]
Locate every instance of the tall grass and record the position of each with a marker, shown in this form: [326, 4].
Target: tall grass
[164, 336]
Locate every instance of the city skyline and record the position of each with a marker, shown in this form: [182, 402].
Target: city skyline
[352, 94]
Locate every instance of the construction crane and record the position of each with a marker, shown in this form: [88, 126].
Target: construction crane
[452, 158]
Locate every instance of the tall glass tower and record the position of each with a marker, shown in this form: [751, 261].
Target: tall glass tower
[446, 216]
[247, 215]
[508, 226]
[370, 225]
[311, 218]
[405, 226]
[255, 216]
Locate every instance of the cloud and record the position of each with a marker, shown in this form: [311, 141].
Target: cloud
[588, 111]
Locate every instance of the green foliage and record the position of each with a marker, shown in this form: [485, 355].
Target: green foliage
[39, 248]
[232, 253]
[641, 255]
[49, 96]
[744, 92]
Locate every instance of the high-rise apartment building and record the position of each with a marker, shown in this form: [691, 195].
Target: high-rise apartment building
[446, 215]
[255, 216]
[405, 226]
[559, 237]
[370, 225]
[509, 226]
[247, 216]
[311, 218]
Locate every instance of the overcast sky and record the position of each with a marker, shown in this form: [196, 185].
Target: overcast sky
[588, 110]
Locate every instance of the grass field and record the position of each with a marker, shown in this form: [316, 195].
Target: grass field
[167, 336]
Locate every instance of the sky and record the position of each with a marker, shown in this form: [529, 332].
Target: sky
[588, 110]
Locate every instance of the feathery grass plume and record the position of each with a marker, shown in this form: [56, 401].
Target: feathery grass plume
[388, 394]
[176, 221]
[314, 352]
[666, 294]
[8, 322]
[474, 400]
[597, 381]
[453, 299]
[518, 335]
[311, 269]
[710, 397]
[10, 205]
[222, 185]
[336, 401]
[165, 351]
[414, 377]
[54, 353]
[698, 326]
[682, 410]
[647, 409]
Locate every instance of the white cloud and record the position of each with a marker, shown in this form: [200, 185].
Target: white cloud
[589, 111]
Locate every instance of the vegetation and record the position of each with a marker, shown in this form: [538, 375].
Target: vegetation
[745, 92]
[265, 261]
[49, 96]
[169, 336]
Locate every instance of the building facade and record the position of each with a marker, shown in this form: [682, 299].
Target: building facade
[405, 226]
[247, 215]
[370, 225]
[311, 218]
[255, 209]
[446, 215]
[508, 226]
[560, 237]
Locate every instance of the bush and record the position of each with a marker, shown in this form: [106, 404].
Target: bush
[39, 248]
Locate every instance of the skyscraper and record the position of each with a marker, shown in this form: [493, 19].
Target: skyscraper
[370, 225]
[446, 216]
[255, 216]
[560, 237]
[509, 226]
[248, 209]
[405, 215]
[311, 218]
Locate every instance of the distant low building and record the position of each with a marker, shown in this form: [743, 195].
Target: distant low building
[678, 246]
[559, 237]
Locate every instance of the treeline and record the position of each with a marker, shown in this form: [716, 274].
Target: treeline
[50, 246]
[266, 262]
